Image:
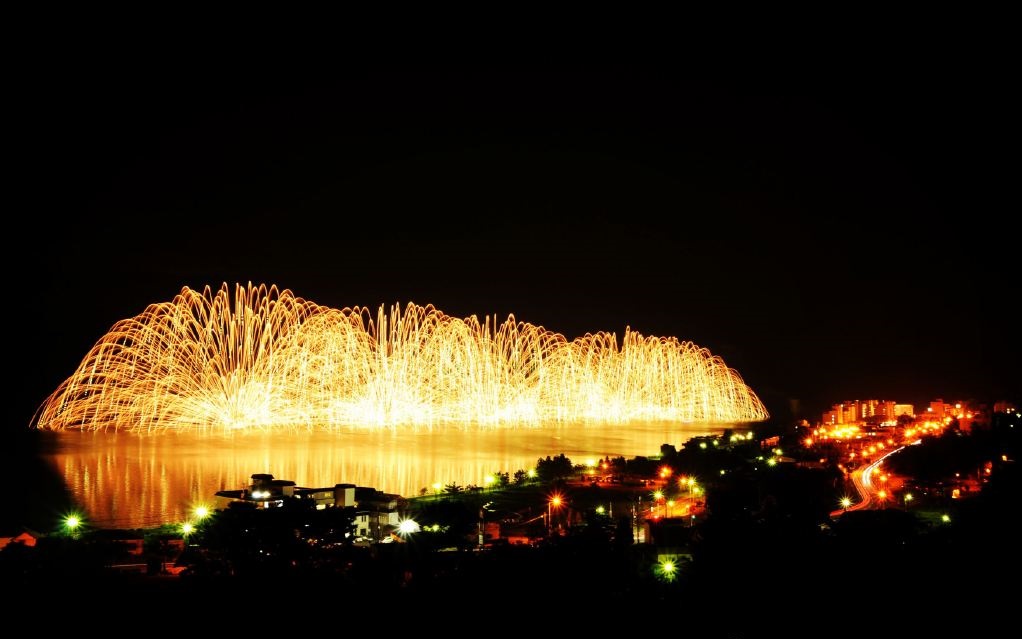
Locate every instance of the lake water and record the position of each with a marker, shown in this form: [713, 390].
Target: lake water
[132, 481]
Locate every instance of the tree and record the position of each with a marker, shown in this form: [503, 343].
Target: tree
[552, 468]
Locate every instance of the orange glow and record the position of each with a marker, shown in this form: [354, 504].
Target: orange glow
[665, 472]
[264, 358]
[555, 501]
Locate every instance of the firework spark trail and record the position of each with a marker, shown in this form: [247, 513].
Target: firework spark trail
[264, 358]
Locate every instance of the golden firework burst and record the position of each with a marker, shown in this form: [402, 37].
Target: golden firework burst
[264, 358]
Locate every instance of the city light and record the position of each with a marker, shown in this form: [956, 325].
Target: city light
[72, 522]
[202, 512]
[553, 503]
[407, 527]
[187, 528]
[666, 569]
[263, 358]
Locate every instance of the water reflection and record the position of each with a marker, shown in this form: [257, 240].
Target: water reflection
[130, 481]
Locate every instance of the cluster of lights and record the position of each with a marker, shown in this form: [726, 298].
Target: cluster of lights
[200, 512]
[264, 358]
[878, 444]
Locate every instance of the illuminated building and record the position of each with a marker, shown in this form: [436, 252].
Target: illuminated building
[904, 409]
[376, 512]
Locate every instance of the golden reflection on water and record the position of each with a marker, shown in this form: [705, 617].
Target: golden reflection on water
[131, 481]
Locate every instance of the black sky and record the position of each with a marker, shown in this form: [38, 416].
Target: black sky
[832, 236]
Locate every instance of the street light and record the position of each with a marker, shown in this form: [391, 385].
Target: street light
[407, 526]
[72, 523]
[846, 502]
[554, 502]
[666, 569]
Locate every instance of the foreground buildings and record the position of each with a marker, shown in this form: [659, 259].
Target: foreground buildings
[377, 514]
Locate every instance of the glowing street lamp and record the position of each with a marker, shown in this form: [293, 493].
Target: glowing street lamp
[72, 523]
[666, 570]
[187, 528]
[908, 498]
[846, 502]
[407, 526]
[555, 501]
[202, 512]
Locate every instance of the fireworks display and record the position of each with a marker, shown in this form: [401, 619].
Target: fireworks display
[262, 358]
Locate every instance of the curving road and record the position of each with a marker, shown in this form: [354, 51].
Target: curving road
[862, 479]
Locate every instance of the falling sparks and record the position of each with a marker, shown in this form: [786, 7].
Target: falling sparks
[263, 358]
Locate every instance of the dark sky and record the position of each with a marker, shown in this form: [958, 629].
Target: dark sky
[831, 236]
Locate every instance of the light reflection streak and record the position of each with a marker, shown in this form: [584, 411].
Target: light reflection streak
[131, 481]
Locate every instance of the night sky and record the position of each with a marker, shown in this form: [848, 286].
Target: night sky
[831, 237]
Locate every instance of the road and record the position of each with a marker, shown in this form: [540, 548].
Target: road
[862, 479]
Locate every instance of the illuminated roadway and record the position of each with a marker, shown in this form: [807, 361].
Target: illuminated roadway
[862, 479]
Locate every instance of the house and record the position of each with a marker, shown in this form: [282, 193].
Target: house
[377, 513]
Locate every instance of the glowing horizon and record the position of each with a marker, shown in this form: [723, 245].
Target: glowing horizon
[265, 359]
